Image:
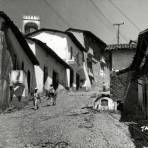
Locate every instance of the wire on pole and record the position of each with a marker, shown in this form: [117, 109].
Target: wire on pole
[118, 31]
[121, 12]
[107, 19]
[59, 15]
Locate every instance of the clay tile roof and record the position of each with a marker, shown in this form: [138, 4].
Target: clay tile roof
[120, 47]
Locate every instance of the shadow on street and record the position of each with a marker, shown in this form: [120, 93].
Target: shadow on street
[138, 136]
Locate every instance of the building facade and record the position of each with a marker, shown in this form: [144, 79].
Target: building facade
[16, 59]
[119, 57]
[94, 60]
[65, 47]
[136, 98]
[52, 69]
[81, 49]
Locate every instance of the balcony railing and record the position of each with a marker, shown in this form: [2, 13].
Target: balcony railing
[71, 61]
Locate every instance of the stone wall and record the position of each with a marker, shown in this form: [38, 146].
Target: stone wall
[131, 109]
[5, 68]
[118, 86]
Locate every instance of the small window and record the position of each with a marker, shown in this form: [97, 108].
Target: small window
[78, 58]
[22, 66]
[71, 52]
[15, 62]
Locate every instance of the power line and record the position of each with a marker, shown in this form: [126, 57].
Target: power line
[100, 12]
[108, 26]
[115, 6]
[60, 16]
[98, 9]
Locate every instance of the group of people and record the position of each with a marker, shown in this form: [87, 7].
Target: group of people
[51, 97]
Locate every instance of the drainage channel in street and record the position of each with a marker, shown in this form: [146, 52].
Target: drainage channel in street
[61, 144]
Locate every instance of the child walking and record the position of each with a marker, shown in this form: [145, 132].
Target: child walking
[52, 95]
[36, 99]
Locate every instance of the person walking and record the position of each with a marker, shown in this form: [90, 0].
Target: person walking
[36, 99]
[52, 95]
[11, 95]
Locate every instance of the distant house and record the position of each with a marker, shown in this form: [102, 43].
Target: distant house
[52, 69]
[68, 49]
[94, 59]
[119, 57]
[16, 60]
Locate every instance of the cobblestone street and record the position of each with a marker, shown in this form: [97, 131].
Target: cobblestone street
[67, 123]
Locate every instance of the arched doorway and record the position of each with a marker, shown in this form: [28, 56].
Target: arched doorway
[104, 102]
[30, 27]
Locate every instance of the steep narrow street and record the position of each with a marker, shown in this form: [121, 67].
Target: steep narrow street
[66, 122]
[92, 55]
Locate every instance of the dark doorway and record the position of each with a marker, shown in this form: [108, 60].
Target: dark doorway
[22, 66]
[55, 79]
[28, 80]
[45, 74]
[77, 81]
[71, 78]
[145, 98]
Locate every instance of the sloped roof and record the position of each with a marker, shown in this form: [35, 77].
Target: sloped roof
[70, 35]
[88, 33]
[49, 51]
[140, 53]
[79, 35]
[20, 38]
[121, 47]
[42, 30]
[74, 39]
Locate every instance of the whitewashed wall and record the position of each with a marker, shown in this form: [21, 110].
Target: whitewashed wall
[52, 64]
[61, 44]
[21, 57]
[57, 42]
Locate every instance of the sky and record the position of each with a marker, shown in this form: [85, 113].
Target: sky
[97, 16]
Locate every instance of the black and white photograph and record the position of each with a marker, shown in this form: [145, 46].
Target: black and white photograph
[73, 73]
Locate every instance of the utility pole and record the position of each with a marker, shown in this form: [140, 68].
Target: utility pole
[118, 31]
